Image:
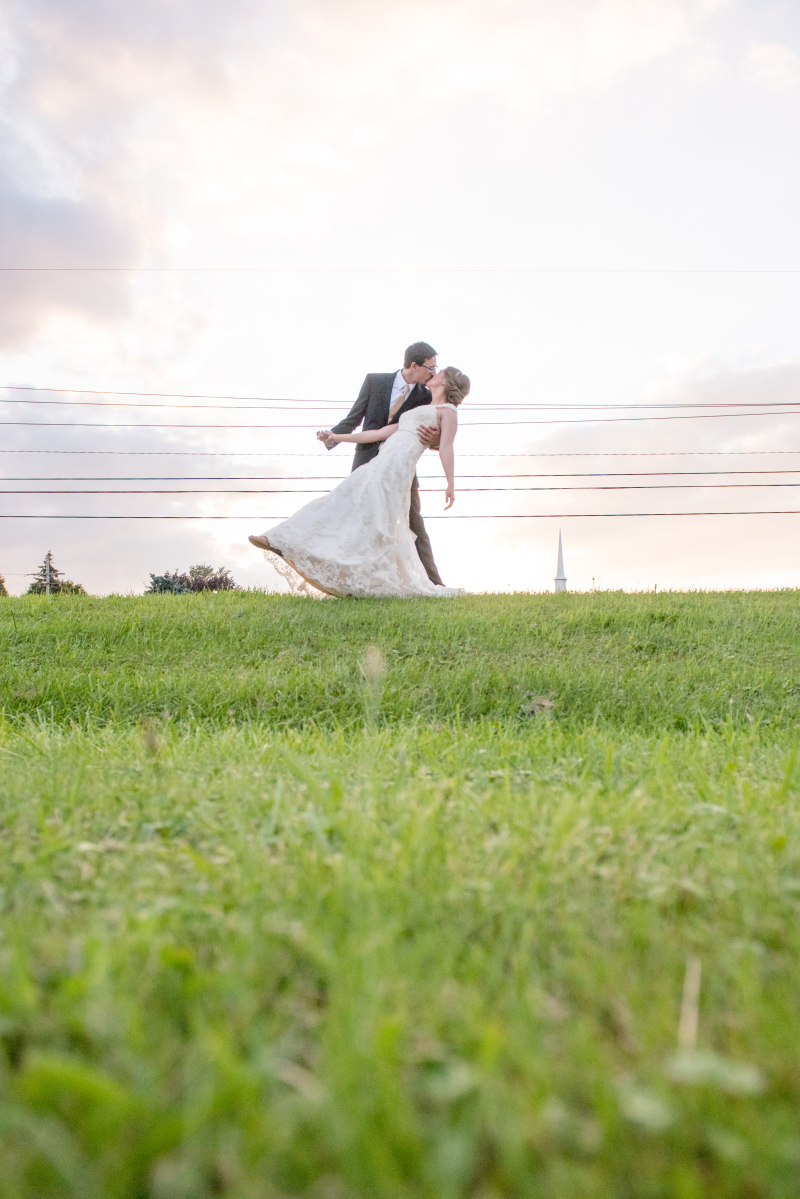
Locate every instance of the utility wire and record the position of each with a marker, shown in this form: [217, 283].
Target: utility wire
[448, 516]
[291, 405]
[171, 395]
[404, 270]
[280, 454]
[468, 424]
[605, 474]
[462, 490]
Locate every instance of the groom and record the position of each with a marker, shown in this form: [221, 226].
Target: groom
[382, 401]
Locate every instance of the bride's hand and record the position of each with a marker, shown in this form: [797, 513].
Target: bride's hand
[326, 437]
[449, 498]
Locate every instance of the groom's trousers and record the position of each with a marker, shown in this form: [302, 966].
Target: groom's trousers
[418, 529]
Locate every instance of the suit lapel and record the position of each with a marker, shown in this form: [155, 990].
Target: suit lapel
[385, 393]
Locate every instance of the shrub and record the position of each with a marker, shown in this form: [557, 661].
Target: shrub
[205, 578]
[168, 584]
[199, 578]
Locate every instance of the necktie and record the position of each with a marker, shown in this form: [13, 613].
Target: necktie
[401, 399]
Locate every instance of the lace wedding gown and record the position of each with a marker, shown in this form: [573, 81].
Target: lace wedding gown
[356, 539]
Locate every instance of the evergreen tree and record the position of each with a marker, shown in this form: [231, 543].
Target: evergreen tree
[49, 580]
[3, 588]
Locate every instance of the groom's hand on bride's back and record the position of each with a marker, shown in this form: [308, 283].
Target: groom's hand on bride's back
[429, 436]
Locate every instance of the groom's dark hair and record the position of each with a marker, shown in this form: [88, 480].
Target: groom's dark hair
[418, 353]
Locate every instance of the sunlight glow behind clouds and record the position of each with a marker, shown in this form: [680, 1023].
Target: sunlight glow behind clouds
[776, 67]
[610, 133]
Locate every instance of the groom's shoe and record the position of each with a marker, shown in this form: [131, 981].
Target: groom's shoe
[262, 543]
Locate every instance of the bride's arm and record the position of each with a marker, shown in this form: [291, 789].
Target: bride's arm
[364, 438]
[448, 423]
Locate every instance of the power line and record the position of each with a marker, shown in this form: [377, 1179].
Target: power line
[292, 406]
[448, 516]
[402, 270]
[468, 424]
[281, 454]
[286, 404]
[606, 474]
[164, 395]
[424, 490]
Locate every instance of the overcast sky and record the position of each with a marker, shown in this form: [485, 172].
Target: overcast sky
[577, 202]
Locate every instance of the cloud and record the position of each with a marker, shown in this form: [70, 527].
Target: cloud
[88, 93]
[54, 231]
[773, 66]
[697, 551]
[128, 128]
[719, 430]
[443, 132]
[516, 53]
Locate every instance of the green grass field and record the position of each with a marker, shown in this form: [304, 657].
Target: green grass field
[497, 896]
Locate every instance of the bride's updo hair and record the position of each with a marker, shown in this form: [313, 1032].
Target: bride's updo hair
[456, 385]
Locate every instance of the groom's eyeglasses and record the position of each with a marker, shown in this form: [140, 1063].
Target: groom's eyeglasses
[432, 369]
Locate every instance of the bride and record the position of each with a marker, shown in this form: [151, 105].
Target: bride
[356, 539]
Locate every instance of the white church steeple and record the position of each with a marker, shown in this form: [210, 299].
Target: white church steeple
[561, 578]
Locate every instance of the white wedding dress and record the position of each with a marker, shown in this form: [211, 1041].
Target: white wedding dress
[356, 539]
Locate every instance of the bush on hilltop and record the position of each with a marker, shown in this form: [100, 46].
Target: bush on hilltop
[199, 578]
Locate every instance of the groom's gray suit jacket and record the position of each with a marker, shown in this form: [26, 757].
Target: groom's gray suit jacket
[371, 410]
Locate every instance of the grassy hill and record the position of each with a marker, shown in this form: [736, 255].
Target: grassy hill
[647, 662]
[488, 897]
